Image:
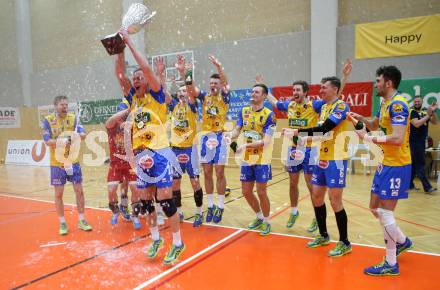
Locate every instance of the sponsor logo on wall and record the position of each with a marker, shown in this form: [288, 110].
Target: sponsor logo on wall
[27, 152]
[9, 117]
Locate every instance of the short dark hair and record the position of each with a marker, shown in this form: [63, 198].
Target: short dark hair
[264, 87]
[136, 70]
[303, 84]
[418, 96]
[334, 81]
[390, 73]
[215, 76]
[58, 99]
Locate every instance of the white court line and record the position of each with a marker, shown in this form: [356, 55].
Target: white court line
[237, 228]
[186, 261]
[52, 244]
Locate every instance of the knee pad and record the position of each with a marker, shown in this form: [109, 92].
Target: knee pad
[113, 207]
[386, 217]
[177, 195]
[168, 207]
[148, 205]
[198, 197]
[136, 207]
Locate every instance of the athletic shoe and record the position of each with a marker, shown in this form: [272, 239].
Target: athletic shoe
[154, 248]
[292, 220]
[383, 269]
[227, 191]
[431, 190]
[136, 223]
[63, 229]
[210, 214]
[319, 241]
[181, 217]
[198, 220]
[256, 224]
[313, 226]
[173, 254]
[114, 219]
[266, 229]
[160, 219]
[83, 225]
[341, 249]
[406, 246]
[125, 212]
[218, 214]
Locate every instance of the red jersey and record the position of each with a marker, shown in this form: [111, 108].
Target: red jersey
[116, 143]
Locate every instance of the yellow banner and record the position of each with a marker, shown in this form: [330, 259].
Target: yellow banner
[408, 36]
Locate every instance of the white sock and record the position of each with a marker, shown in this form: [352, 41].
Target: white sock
[260, 215]
[401, 238]
[81, 216]
[177, 241]
[155, 233]
[266, 219]
[294, 210]
[62, 219]
[179, 210]
[221, 201]
[199, 210]
[390, 244]
[210, 198]
[158, 208]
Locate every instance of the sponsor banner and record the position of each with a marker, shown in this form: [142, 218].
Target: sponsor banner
[239, 99]
[27, 152]
[9, 117]
[43, 111]
[429, 89]
[97, 112]
[407, 36]
[357, 95]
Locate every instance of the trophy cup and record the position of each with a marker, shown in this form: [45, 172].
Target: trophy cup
[133, 21]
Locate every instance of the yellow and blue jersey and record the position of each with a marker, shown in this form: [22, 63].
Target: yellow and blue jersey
[214, 110]
[395, 112]
[301, 115]
[54, 126]
[183, 123]
[255, 124]
[149, 116]
[335, 147]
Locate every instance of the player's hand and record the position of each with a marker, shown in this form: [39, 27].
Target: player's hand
[355, 116]
[432, 108]
[241, 148]
[180, 65]
[352, 118]
[124, 34]
[361, 133]
[159, 63]
[214, 61]
[374, 212]
[346, 69]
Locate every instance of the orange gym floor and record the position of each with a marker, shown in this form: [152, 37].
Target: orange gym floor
[34, 256]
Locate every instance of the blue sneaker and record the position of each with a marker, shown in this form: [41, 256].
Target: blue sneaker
[114, 219]
[136, 222]
[198, 220]
[124, 212]
[406, 246]
[210, 214]
[383, 269]
[218, 214]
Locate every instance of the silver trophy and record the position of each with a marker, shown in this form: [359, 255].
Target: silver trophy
[136, 17]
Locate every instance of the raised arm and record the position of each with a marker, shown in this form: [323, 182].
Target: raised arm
[346, 71]
[221, 72]
[123, 80]
[149, 74]
[160, 71]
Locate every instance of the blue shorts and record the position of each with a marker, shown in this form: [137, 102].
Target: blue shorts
[330, 173]
[58, 175]
[257, 172]
[214, 149]
[391, 182]
[154, 168]
[304, 158]
[188, 159]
